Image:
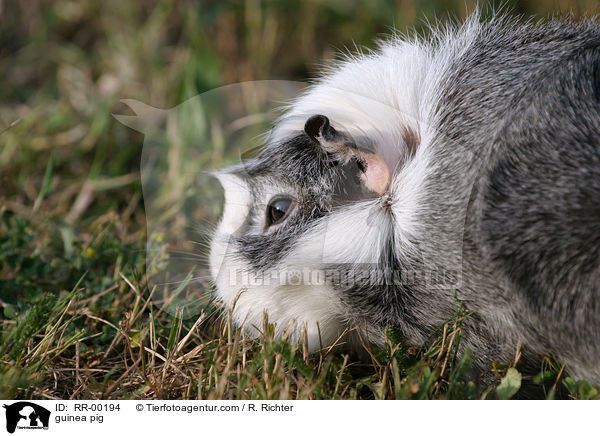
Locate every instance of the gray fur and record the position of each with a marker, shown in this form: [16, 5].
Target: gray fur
[521, 110]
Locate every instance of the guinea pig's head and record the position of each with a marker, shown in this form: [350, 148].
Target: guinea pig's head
[304, 225]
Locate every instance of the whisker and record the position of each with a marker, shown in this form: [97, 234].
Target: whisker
[191, 280]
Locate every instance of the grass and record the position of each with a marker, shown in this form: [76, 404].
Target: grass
[78, 317]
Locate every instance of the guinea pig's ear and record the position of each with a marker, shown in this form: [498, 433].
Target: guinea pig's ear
[322, 133]
[375, 173]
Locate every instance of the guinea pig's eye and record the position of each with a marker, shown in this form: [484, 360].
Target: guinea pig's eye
[278, 209]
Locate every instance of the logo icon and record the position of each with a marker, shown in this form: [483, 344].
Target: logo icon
[26, 415]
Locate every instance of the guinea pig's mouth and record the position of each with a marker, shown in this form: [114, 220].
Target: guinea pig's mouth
[296, 312]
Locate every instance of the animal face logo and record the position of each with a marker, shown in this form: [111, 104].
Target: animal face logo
[26, 415]
[182, 200]
[322, 186]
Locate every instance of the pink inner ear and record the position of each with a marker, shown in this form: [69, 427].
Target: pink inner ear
[377, 176]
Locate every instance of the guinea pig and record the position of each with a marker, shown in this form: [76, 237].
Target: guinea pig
[424, 177]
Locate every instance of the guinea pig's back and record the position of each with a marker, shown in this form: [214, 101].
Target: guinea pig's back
[525, 101]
